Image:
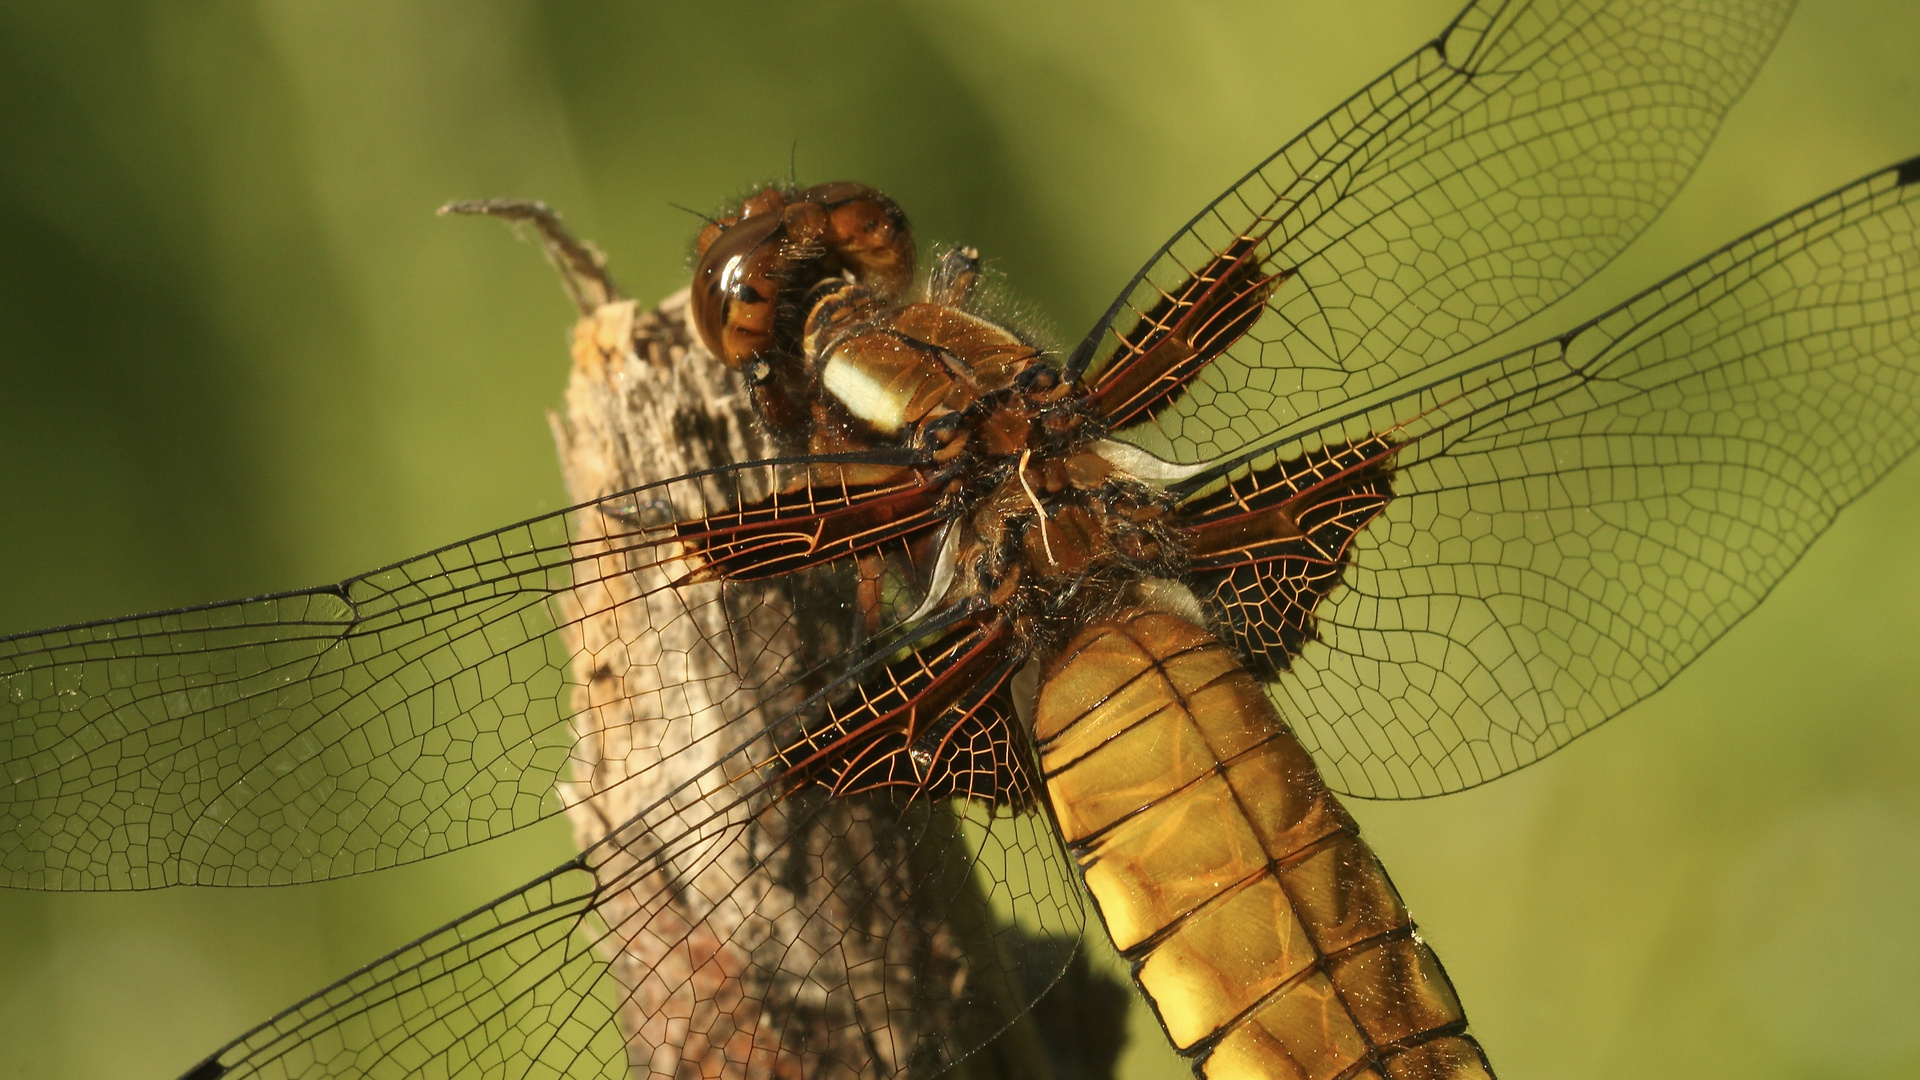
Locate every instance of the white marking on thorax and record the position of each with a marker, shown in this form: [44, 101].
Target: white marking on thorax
[1025, 689]
[879, 404]
[945, 565]
[1169, 598]
[1141, 465]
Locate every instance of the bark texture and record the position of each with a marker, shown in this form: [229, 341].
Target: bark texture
[751, 938]
[765, 939]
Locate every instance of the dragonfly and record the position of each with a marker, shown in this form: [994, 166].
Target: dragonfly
[1378, 392]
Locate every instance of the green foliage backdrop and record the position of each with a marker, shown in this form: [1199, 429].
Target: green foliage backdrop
[238, 353]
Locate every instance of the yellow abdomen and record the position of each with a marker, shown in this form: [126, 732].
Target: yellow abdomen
[1260, 926]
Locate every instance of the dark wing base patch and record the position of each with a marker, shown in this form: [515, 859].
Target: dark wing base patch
[937, 721]
[1269, 546]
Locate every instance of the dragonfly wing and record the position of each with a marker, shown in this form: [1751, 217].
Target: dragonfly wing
[1481, 179]
[408, 711]
[739, 925]
[287, 737]
[1572, 524]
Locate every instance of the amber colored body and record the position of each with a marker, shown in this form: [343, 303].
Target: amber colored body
[1265, 933]
[1259, 924]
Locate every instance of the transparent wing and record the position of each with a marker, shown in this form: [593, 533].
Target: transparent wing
[1467, 188]
[1573, 523]
[419, 708]
[661, 952]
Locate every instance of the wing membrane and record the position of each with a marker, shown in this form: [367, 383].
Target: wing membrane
[668, 922]
[1481, 179]
[398, 714]
[936, 722]
[1573, 523]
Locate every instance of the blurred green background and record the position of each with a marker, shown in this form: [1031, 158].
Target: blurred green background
[238, 353]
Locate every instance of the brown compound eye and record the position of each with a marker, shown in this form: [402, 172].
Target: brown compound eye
[806, 227]
[780, 247]
[869, 234]
[714, 230]
[765, 201]
[736, 285]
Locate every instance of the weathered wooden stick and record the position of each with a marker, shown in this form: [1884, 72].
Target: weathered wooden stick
[726, 952]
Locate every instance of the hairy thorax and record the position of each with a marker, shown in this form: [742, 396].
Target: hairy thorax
[806, 293]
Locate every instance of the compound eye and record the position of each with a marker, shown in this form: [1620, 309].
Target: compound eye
[735, 284]
[868, 233]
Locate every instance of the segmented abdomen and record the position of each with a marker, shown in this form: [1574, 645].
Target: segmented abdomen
[1260, 926]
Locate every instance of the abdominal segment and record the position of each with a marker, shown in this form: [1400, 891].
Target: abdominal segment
[1258, 923]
